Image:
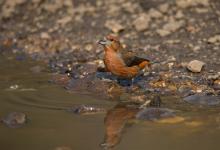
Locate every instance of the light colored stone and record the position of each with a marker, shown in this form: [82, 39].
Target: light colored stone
[63, 21]
[163, 32]
[142, 22]
[195, 66]
[164, 8]
[114, 26]
[191, 3]
[45, 35]
[214, 39]
[153, 13]
[173, 25]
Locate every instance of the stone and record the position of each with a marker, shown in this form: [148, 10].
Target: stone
[214, 39]
[45, 35]
[8, 7]
[63, 21]
[164, 7]
[195, 66]
[14, 119]
[63, 148]
[114, 26]
[201, 99]
[163, 32]
[85, 109]
[191, 3]
[142, 22]
[154, 114]
[153, 13]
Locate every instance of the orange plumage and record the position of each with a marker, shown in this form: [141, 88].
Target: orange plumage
[122, 64]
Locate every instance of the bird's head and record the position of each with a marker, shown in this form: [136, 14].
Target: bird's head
[111, 42]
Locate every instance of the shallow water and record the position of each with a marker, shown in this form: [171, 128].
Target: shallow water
[50, 125]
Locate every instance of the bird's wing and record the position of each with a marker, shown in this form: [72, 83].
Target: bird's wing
[132, 59]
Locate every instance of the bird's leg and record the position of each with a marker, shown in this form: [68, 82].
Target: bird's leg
[130, 86]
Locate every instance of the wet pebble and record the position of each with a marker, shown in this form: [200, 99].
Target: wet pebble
[201, 99]
[195, 66]
[36, 69]
[85, 109]
[63, 148]
[216, 85]
[15, 119]
[153, 114]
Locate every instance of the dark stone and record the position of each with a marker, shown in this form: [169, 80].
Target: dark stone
[85, 109]
[200, 99]
[153, 114]
[14, 119]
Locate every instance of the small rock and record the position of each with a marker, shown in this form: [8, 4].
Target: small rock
[154, 114]
[164, 7]
[114, 26]
[36, 69]
[162, 32]
[201, 99]
[153, 13]
[214, 39]
[190, 3]
[173, 25]
[84, 109]
[195, 65]
[14, 87]
[216, 85]
[63, 21]
[45, 35]
[15, 119]
[63, 148]
[142, 22]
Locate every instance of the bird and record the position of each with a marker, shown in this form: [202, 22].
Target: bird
[121, 63]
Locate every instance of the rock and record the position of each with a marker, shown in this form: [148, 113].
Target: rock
[164, 7]
[162, 32]
[195, 66]
[142, 22]
[200, 99]
[45, 35]
[154, 114]
[84, 109]
[36, 69]
[15, 119]
[63, 148]
[114, 26]
[63, 21]
[170, 27]
[8, 7]
[153, 13]
[216, 85]
[190, 3]
[214, 39]
[173, 25]
[14, 87]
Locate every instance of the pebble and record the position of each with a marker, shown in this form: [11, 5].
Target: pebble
[214, 39]
[142, 22]
[153, 114]
[195, 66]
[114, 26]
[15, 119]
[201, 99]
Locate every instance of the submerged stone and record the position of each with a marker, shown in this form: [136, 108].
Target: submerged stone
[154, 114]
[200, 99]
[14, 119]
[85, 109]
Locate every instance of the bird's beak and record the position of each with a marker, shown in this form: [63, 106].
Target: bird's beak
[102, 42]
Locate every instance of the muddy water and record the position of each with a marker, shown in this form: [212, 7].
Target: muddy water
[50, 125]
